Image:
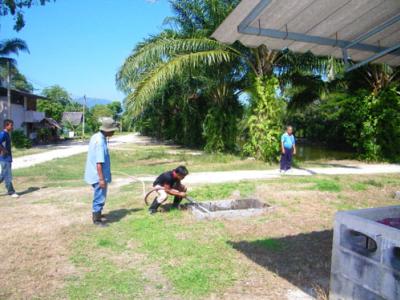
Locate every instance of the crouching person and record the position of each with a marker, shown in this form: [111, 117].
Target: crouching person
[169, 183]
[98, 168]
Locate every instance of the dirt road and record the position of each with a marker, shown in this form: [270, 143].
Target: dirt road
[334, 168]
[69, 149]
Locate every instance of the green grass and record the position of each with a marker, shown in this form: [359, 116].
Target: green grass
[137, 161]
[194, 256]
[24, 151]
[105, 280]
[270, 244]
[327, 185]
[65, 169]
[195, 259]
[373, 182]
[223, 190]
[358, 186]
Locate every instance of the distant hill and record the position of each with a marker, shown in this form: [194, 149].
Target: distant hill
[90, 102]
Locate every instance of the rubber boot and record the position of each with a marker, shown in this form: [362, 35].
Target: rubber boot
[177, 201]
[103, 218]
[154, 206]
[97, 220]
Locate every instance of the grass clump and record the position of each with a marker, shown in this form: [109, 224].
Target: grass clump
[106, 281]
[373, 182]
[326, 185]
[358, 187]
[196, 265]
[223, 191]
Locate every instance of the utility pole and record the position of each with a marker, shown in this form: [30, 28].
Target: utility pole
[9, 89]
[83, 119]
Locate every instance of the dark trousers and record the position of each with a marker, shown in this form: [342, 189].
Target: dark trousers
[286, 159]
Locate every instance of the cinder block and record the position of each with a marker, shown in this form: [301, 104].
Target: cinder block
[365, 256]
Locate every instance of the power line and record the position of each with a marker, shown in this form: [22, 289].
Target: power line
[44, 85]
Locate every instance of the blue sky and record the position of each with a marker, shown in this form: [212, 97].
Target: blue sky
[80, 44]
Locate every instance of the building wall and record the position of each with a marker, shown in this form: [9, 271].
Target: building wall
[18, 113]
[18, 116]
[3, 109]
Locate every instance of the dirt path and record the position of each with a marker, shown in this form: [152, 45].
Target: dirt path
[66, 150]
[333, 169]
[36, 236]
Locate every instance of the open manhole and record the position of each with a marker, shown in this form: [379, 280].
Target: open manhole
[229, 209]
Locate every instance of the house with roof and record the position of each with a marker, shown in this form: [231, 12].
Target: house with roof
[72, 118]
[23, 111]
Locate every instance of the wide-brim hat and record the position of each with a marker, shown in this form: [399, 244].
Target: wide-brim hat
[108, 125]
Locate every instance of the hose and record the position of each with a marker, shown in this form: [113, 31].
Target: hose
[146, 195]
[134, 179]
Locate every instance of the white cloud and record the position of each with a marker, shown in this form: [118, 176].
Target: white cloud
[151, 1]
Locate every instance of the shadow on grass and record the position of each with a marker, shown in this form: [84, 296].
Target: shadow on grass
[118, 214]
[30, 190]
[311, 172]
[336, 165]
[304, 259]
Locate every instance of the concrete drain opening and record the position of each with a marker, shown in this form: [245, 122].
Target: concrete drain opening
[229, 209]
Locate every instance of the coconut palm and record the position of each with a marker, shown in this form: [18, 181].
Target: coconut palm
[9, 47]
[189, 50]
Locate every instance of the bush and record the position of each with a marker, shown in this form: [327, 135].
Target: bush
[220, 128]
[365, 122]
[262, 128]
[44, 134]
[20, 140]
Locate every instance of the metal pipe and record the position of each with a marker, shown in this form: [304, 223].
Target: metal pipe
[375, 30]
[373, 57]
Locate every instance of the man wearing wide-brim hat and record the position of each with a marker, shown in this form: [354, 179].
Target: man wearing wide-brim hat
[98, 167]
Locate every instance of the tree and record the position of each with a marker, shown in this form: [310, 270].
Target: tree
[9, 47]
[57, 94]
[15, 8]
[18, 80]
[218, 71]
[74, 106]
[51, 109]
[57, 100]
[99, 111]
[116, 108]
[263, 126]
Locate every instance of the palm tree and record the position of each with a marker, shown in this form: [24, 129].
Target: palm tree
[8, 47]
[188, 49]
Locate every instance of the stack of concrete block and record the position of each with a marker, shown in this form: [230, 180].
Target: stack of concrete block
[365, 256]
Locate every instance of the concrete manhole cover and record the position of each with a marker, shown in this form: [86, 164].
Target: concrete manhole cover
[229, 209]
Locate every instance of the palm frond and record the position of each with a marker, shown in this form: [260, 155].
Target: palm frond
[12, 46]
[157, 78]
[5, 60]
[149, 55]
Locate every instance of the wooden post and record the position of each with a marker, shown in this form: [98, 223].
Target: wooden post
[25, 110]
[83, 119]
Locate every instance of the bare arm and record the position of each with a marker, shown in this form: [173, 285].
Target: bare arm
[294, 149]
[174, 192]
[283, 148]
